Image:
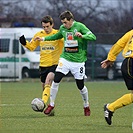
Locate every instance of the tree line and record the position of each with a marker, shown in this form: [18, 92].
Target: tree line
[99, 17]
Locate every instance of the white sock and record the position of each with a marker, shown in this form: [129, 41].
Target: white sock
[84, 94]
[53, 92]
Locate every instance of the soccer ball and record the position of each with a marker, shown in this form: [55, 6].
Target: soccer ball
[37, 104]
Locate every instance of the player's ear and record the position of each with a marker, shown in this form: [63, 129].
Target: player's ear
[52, 25]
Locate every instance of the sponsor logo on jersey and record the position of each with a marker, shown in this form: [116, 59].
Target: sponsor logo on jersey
[47, 48]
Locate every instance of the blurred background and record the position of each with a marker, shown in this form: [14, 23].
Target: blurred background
[107, 19]
[101, 16]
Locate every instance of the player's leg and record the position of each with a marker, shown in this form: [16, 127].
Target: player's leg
[61, 71]
[48, 82]
[43, 75]
[126, 99]
[53, 92]
[84, 93]
[127, 71]
[78, 71]
[55, 86]
[47, 86]
[121, 102]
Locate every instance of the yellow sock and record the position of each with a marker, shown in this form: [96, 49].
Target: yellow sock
[46, 93]
[122, 101]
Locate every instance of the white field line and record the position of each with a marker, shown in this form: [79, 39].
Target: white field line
[2, 105]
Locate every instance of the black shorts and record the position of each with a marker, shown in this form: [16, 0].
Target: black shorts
[45, 70]
[127, 72]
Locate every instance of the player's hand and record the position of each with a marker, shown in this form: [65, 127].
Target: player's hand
[22, 40]
[106, 63]
[78, 34]
[38, 38]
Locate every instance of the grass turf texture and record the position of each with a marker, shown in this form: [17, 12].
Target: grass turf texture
[16, 115]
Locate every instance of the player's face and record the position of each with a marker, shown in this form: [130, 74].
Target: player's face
[47, 27]
[67, 23]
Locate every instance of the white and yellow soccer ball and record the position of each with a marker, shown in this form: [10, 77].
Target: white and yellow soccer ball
[38, 105]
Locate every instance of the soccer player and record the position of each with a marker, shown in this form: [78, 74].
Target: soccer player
[125, 43]
[49, 54]
[76, 36]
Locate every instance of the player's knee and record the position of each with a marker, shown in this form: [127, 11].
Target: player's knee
[58, 77]
[80, 84]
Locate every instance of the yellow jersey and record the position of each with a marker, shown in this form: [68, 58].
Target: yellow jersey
[125, 43]
[49, 50]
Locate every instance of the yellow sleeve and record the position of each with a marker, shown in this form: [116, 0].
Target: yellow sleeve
[61, 44]
[118, 47]
[114, 51]
[32, 45]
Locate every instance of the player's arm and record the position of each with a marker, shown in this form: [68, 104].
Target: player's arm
[29, 45]
[114, 51]
[86, 33]
[61, 44]
[118, 47]
[56, 36]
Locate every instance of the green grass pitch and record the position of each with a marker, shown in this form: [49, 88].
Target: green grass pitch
[16, 115]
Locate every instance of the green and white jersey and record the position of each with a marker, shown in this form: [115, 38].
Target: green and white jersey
[75, 48]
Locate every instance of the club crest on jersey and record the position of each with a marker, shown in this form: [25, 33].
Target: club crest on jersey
[75, 30]
[69, 36]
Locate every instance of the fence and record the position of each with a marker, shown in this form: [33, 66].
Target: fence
[97, 52]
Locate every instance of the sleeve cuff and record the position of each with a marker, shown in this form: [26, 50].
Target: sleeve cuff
[43, 38]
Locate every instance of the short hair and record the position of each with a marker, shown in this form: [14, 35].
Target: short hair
[47, 19]
[66, 14]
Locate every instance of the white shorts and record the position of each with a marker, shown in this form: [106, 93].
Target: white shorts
[77, 69]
